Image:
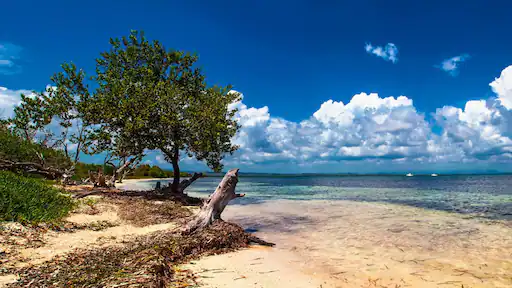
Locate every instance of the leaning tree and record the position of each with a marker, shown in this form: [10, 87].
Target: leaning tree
[54, 119]
[57, 119]
[160, 100]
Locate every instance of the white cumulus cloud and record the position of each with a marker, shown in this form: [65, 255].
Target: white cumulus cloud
[388, 52]
[371, 128]
[502, 86]
[9, 99]
[367, 127]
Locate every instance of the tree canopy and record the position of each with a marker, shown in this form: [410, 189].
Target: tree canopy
[159, 100]
[145, 97]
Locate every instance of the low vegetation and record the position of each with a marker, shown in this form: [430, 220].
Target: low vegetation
[14, 148]
[30, 200]
[141, 171]
[148, 171]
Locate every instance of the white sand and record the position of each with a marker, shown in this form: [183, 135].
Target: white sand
[256, 267]
[140, 184]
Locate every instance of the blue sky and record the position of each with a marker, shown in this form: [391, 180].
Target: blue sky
[292, 57]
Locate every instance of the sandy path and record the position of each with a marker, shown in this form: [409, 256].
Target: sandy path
[67, 242]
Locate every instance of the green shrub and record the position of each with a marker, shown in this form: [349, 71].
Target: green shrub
[31, 200]
[145, 171]
[15, 148]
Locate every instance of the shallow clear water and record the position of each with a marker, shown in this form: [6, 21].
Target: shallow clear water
[489, 196]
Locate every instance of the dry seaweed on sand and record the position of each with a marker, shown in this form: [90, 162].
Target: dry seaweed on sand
[180, 198]
[148, 261]
[142, 212]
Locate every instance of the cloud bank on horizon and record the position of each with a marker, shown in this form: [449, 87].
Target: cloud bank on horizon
[384, 131]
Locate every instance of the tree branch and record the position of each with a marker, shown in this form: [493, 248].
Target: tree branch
[31, 167]
[185, 183]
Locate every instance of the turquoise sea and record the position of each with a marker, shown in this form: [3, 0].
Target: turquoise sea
[488, 196]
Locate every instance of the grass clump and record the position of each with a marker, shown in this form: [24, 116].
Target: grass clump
[30, 200]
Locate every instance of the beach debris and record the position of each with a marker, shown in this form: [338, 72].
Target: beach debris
[215, 205]
[142, 212]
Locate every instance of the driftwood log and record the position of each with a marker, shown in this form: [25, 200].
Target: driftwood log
[215, 204]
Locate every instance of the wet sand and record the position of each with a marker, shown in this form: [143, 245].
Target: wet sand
[357, 244]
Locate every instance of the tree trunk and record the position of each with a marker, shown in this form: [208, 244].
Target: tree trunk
[213, 207]
[183, 185]
[127, 165]
[120, 172]
[125, 173]
[176, 173]
[101, 181]
[92, 178]
[111, 182]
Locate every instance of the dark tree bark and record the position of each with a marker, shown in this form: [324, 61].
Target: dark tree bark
[182, 185]
[177, 187]
[213, 207]
[176, 172]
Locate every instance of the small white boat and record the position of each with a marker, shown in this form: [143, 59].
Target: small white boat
[434, 175]
[409, 175]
